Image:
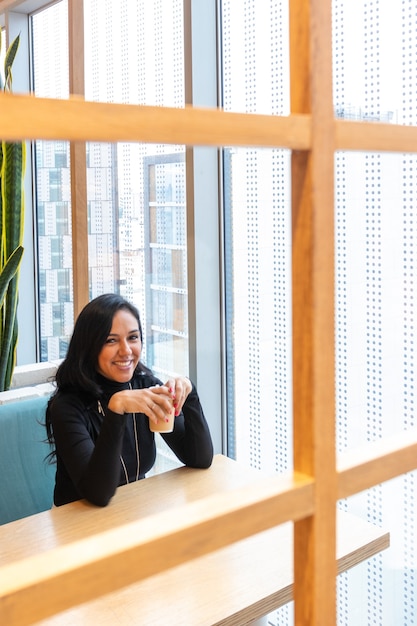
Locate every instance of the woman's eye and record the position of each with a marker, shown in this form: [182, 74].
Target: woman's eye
[110, 340]
[134, 337]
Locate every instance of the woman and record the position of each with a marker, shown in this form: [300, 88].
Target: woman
[98, 418]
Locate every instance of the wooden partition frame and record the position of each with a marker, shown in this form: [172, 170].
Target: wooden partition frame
[313, 309]
[78, 162]
[313, 135]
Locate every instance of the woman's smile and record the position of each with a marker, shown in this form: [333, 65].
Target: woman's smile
[120, 354]
[123, 363]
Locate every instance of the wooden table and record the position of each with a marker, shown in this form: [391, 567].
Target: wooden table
[230, 586]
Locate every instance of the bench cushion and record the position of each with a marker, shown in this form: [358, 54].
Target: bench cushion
[27, 480]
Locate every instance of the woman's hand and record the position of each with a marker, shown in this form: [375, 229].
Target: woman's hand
[155, 402]
[180, 389]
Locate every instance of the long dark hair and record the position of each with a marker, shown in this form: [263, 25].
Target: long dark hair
[78, 372]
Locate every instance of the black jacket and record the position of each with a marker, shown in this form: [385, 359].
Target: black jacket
[90, 446]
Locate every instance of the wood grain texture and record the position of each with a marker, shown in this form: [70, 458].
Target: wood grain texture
[150, 527]
[79, 223]
[230, 587]
[313, 310]
[374, 137]
[74, 119]
[27, 117]
[82, 569]
[377, 462]
[78, 162]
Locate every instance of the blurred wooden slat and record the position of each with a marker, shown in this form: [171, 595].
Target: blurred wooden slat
[378, 461]
[375, 137]
[247, 579]
[78, 162]
[101, 560]
[27, 117]
[256, 579]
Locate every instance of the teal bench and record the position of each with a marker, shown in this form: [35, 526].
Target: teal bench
[27, 480]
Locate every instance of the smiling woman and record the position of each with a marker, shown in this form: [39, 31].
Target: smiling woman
[100, 417]
[120, 354]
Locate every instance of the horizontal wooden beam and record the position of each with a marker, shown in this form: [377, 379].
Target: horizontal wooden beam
[375, 137]
[28, 117]
[376, 463]
[42, 585]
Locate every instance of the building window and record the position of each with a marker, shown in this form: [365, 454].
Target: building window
[148, 68]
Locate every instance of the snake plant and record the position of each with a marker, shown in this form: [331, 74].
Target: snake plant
[12, 172]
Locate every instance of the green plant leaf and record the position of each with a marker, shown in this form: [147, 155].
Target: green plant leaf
[8, 300]
[9, 270]
[9, 334]
[8, 62]
[12, 179]
[12, 171]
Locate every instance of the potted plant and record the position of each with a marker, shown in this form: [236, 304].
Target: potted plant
[12, 172]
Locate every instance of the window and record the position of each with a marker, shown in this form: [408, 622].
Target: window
[122, 246]
[53, 201]
[258, 241]
[136, 203]
[374, 79]
[166, 263]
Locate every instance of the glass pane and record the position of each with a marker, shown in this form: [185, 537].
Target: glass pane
[381, 590]
[258, 246]
[52, 188]
[376, 320]
[375, 80]
[258, 241]
[166, 264]
[258, 292]
[373, 60]
[135, 192]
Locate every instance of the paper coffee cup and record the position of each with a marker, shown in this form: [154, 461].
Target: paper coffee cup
[162, 426]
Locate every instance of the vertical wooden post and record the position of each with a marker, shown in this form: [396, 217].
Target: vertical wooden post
[78, 166]
[313, 310]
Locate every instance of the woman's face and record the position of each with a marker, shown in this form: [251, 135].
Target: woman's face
[121, 352]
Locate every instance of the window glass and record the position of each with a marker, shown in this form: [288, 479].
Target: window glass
[52, 186]
[258, 241]
[375, 80]
[136, 192]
